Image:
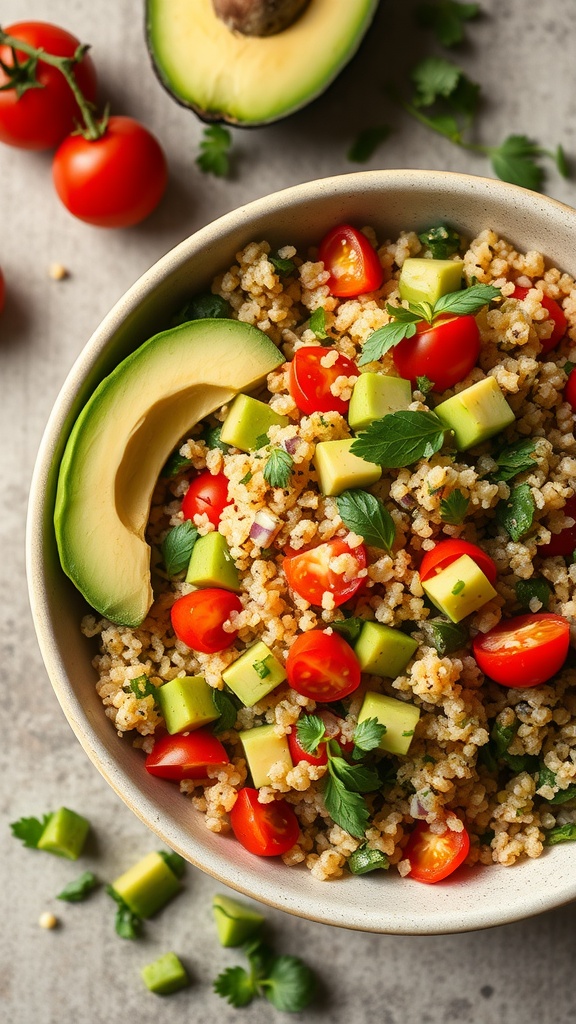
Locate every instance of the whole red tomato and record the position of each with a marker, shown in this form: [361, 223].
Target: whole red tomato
[41, 117]
[352, 262]
[525, 650]
[114, 181]
[445, 352]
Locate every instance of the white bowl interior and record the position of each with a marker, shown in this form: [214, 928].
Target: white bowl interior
[391, 201]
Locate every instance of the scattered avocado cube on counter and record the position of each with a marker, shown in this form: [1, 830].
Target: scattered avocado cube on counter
[460, 589]
[423, 280]
[186, 703]
[64, 834]
[399, 718]
[165, 975]
[383, 651]
[147, 886]
[475, 414]
[339, 470]
[246, 422]
[375, 395]
[235, 922]
[254, 674]
[211, 564]
[263, 748]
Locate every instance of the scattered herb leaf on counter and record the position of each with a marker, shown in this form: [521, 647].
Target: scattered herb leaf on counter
[29, 830]
[127, 924]
[446, 18]
[278, 468]
[80, 888]
[285, 981]
[214, 151]
[177, 547]
[400, 439]
[367, 142]
[453, 509]
[367, 516]
[516, 513]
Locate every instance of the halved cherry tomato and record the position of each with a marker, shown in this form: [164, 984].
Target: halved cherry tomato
[310, 575]
[444, 352]
[198, 618]
[268, 830]
[570, 389]
[322, 666]
[523, 651]
[297, 752]
[555, 313]
[352, 262]
[185, 755]
[563, 543]
[310, 382]
[208, 493]
[447, 551]
[433, 857]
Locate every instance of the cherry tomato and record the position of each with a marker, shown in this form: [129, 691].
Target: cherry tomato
[433, 857]
[114, 181]
[563, 543]
[297, 752]
[447, 551]
[525, 650]
[352, 262]
[207, 494]
[322, 666]
[555, 313]
[42, 117]
[185, 755]
[198, 618]
[444, 352]
[309, 382]
[267, 830]
[310, 575]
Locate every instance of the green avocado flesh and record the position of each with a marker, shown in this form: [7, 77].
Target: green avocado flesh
[121, 440]
[251, 80]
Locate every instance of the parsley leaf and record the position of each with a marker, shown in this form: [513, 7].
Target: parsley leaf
[278, 468]
[366, 515]
[142, 686]
[446, 19]
[282, 266]
[516, 514]
[364, 860]
[29, 830]
[80, 888]
[517, 458]
[357, 778]
[400, 439]
[385, 338]
[350, 628]
[317, 323]
[441, 240]
[290, 984]
[177, 547]
[212, 438]
[444, 635]
[467, 301]
[536, 587]
[214, 147]
[434, 77]
[226, 709]
[424, 385]
[310, 730]
[515, 161]
[453, 509]
[367, 142]
[347, 809]
[367, 736]
[174, 465]
[560, 834]
[546, 777]
[235, 985]
[201, 307]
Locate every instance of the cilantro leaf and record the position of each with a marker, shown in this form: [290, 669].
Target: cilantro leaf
[536, 587]
[282, 266]
[467, 301]
[142, 686]
[310, 731]
[214, 147]
[446, 19]
[385, 338]
[357, 778]
[278, 468]
[441, 240]
[177, 547]
[350, 628]
[367, 735]
[80, 888]
[364, 860]
[424, 385]
[212, 438]
[227, 711]
[174, 465]
[517, 458]
[366, 515]
[201, 307]
[400, 439]
[235, 985]
[367, 142]
[453, 509]
[546, 777]
[29, 830]
[444, 635]
[317, 323]
[290, 984]
[434, 77]
[517, 513]
[515, 161]
[560, 834]
[347, 809]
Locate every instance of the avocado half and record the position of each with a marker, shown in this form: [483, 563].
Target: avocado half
[121, 440]
[251, 80]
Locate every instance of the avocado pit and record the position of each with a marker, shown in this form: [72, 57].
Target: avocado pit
[258, 17]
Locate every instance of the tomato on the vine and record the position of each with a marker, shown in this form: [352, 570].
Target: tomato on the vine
[444, 352]
[434, 856]
[114, 181]
[198, 619]
[185, 755]
[267, 830]
[310, 382]
[42, 116]
[563, 543]
[556, 315]
[447, 551]
[207, 495]
[525, 650]
[322, 666]
[310, 575]
[353, 264]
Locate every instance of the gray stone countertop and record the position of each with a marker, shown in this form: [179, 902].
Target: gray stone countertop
[522, 51]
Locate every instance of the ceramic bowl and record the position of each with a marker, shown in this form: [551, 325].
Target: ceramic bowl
[391, 201]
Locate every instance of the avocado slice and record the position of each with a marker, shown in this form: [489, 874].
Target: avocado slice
[121, 440]
[224, 75]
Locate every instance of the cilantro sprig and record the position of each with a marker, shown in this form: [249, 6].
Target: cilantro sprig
[214, 157]
[454, 507]
[400, 439]
[29, 830]
[446, 18]
[285, 981]
[441, 241]
[366, 515]
[278, 468]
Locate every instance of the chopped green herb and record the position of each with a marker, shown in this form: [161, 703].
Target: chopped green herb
[367, 142]
[424, 385]
[546, 777]
[350, 628]
[310, 730]
[561, 834]
[367, 516]
[127, 924]
[444, 635]
[427, 759]
[347, 809]
[174, 861]
[177, 547]
[226, 709]
[29, 830]
[446, 18]
[80, 888]
[537, 587]
[442, 241]
[458, 587]
[453, 509]
[408, 732]
[214, 151]
[174, 465]
[282, 266]
[367, 736]
[246, 479]
[317, 323]
[261, 668]
[400, 439]
[285, 981]
[212, 439]
[467, 301]
[278, 468]
[142, 686]
[516, 514]
[516, 458]
[568, 367]
[364, 860]
[261, 441]
[201, 307]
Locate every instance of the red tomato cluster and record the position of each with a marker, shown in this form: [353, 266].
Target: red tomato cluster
[114, 180]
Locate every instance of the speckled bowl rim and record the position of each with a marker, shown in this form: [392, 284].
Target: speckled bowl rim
[476, 898]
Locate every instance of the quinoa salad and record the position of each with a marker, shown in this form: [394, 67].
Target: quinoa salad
[365, 584]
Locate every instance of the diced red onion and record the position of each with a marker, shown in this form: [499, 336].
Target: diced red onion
[291, 444]
[264, 528]
[407, 501]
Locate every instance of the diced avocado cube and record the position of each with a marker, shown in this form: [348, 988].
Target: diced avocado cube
[338, 469]
[399, 718]
[186, 703]
[211, 564]
[460, 589]
[475, 414]
[264, 748]
[375, 395]
[165, 975]
[383, 651]
[254, 674]
[424, 280]
[147, 886]
[235, 922]
[65, 834]
[246, 422]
